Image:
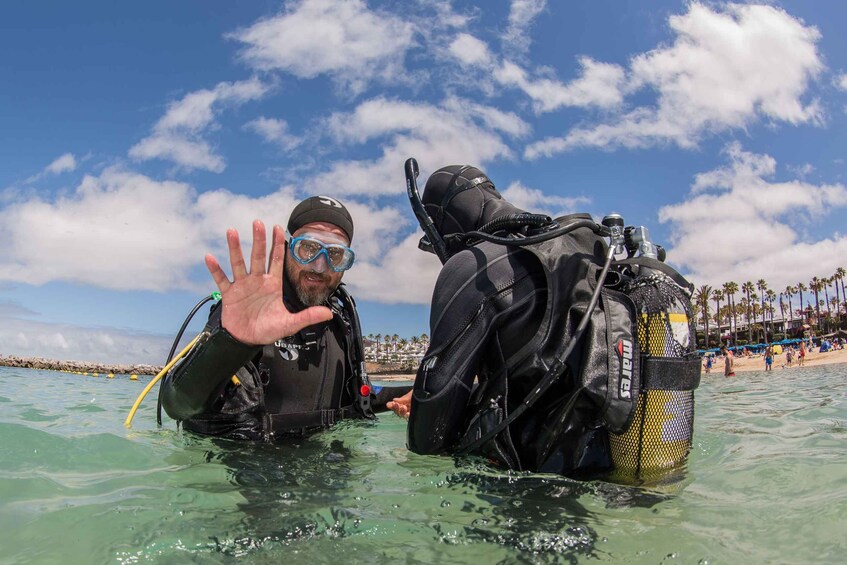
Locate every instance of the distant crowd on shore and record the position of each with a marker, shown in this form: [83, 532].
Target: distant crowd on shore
[768, 354]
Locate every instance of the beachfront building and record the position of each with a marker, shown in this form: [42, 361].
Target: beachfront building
[394, 350]
[777, 327]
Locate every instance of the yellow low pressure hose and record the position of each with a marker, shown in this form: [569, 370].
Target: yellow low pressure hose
[162, 373]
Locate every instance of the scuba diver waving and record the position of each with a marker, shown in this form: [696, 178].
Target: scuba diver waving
[282, 353]
[546, 353]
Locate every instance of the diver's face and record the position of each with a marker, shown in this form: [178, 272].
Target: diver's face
[315, 281]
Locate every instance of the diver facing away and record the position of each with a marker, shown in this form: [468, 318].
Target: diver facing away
[515, 288]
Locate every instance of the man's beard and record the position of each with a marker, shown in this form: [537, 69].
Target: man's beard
[315, 296]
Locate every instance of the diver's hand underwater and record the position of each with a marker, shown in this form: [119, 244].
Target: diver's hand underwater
[402, 405]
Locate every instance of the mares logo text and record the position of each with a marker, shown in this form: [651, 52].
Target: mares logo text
[624, 349]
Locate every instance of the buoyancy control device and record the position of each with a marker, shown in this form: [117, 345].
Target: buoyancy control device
[655, 361]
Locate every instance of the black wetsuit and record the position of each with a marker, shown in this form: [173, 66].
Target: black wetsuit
[302, 383]
[499, 313]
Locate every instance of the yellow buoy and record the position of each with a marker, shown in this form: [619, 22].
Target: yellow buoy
[133, 377]
[95, 374]
[110, 376]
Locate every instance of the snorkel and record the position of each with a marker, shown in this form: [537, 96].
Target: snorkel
[432, 240]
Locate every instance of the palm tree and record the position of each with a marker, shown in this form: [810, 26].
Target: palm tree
[394, 339]
[729, 290]
[771, 295]
[789, 290]
[717, 296]
[839, 274]
[701, 298]
[815, 285]
[801, 288]
[836, 278]
[762, 286]
[756, 309]
[725, 314]
[826, 282]
[782, 313]
[377, 337]
[748, 288]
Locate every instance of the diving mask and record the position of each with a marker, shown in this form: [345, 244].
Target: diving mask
[306, 249]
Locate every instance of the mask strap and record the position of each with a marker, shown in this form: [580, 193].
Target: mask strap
[456, 189]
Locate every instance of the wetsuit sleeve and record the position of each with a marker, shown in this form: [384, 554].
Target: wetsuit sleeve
[478, 293]
[195, 385]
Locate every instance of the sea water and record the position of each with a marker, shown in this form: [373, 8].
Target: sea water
[766, 483]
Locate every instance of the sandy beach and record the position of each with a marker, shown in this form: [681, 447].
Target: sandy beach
[757, 363]
[742, 364]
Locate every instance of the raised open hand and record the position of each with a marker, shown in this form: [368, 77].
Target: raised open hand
[253, 311]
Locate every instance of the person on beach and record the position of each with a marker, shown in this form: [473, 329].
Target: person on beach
[769, 358]
[282, 352]
[728, 362]
[801, 355]
[708, 364]
[499, 316]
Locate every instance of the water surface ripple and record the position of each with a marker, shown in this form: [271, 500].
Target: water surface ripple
[766, 483]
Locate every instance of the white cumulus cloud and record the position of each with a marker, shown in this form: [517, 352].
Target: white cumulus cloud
[522, 13]
[343, 39]
[535, 201]
[274, 131]
[120, 230]
[600, 84]
[727, 67]
[177, 136]
[736, 224]
[63, 164]
[123, 230]
[456, 131]
[470, 50]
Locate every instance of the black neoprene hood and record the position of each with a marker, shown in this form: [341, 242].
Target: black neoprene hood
[461, 198]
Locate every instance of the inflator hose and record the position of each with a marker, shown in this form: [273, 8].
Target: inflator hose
[162, 373]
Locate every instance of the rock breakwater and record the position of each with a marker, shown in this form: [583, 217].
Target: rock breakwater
[78, 366]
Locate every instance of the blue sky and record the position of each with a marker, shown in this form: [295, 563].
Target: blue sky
[134, 134]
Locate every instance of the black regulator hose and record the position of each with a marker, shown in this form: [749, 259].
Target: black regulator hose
[213, 296]
[516, 221]
[536, 238]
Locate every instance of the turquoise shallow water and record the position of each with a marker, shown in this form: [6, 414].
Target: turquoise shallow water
[766, 483]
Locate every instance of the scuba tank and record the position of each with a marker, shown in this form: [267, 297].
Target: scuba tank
[659, 436]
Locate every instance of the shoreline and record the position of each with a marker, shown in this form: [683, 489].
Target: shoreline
[757, 362]
[374, 371]
[742, 365]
